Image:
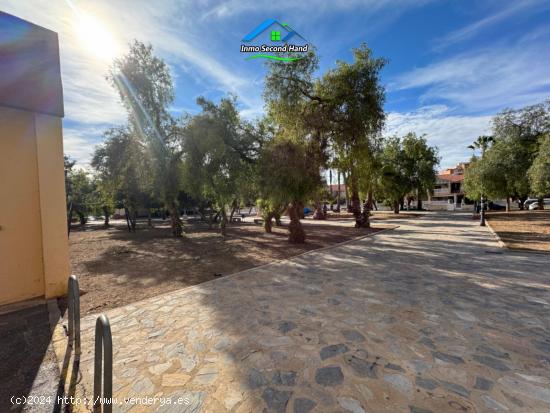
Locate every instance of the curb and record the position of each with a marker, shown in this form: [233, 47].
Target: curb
[501, 243]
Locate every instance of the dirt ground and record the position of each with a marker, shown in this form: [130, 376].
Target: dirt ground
[525, 230]
[115, 267]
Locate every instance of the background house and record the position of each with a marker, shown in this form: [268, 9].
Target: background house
[333, 190]
[448, 192]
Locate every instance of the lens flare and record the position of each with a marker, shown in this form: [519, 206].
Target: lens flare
[95, 37]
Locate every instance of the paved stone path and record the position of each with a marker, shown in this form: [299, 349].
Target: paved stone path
[429, 317]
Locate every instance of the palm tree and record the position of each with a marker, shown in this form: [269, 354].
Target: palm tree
[482, 142]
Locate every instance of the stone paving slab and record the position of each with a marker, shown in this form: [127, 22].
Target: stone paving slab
[429, 317]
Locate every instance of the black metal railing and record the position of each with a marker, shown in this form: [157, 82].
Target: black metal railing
[103, 362]
[74, 316]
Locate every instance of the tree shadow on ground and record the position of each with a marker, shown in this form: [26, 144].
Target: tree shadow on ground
[116, 267]
[24, 339]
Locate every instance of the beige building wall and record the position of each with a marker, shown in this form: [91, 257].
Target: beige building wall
[34, 253]
[21, 268]
[51, 179]
[34, 258]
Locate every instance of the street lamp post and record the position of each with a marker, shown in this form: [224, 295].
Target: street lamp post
[482, 213]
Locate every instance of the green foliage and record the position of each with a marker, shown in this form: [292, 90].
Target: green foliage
[218, 155]
[509, 154]
[124, 170]
[81, 194]
[539, 172]
[407, 164]
[483, 178]
[421, 161]
[145, 86]
[355, 100]
[393, 181]
[286, 174]
[286, 177]
[482, 143]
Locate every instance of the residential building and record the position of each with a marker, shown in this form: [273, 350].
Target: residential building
[333, 190]
[448, 192]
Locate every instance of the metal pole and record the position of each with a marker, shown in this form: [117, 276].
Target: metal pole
[74, 315]
[103, 347]
[482, 213]
[338, 195]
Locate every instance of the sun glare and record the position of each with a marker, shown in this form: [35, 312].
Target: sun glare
[96, 38]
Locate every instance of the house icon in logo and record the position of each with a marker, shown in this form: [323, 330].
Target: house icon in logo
[280, 32]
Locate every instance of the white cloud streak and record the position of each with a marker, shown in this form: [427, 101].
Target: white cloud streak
[504, 12]
[311, 8]
[450, 133]
[486, 79]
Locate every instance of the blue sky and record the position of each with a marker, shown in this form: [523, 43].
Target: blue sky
[452, 64]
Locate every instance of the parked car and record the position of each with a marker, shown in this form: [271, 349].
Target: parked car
[529, 201]
[535, 205]
[485, 207]
[496, 207]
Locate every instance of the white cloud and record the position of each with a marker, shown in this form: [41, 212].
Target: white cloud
[90, 101]
[504, 12]
[485, 79]
[309, 8]
[450, 133]
[79, 143]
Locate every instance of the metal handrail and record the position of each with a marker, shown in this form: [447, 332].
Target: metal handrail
[103, 361]
[74, 315]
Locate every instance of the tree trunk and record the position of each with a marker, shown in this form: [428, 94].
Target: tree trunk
[268, 225]
[202, 214]
[234, 206]
[277, 215]
[508, 204]
[82, 218]
[223, 221]
[370, 200]
[419, 204]
[300, 209]
[106, 215]
[365, 220]
[319, 212]
[396, 207]
[296, 232]
[69, 219]
[210, 220]
[541, 203]
[127, 215]
[134, 221]
[361, 219]
[338, 194]
[175, 221]
[149, 221]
